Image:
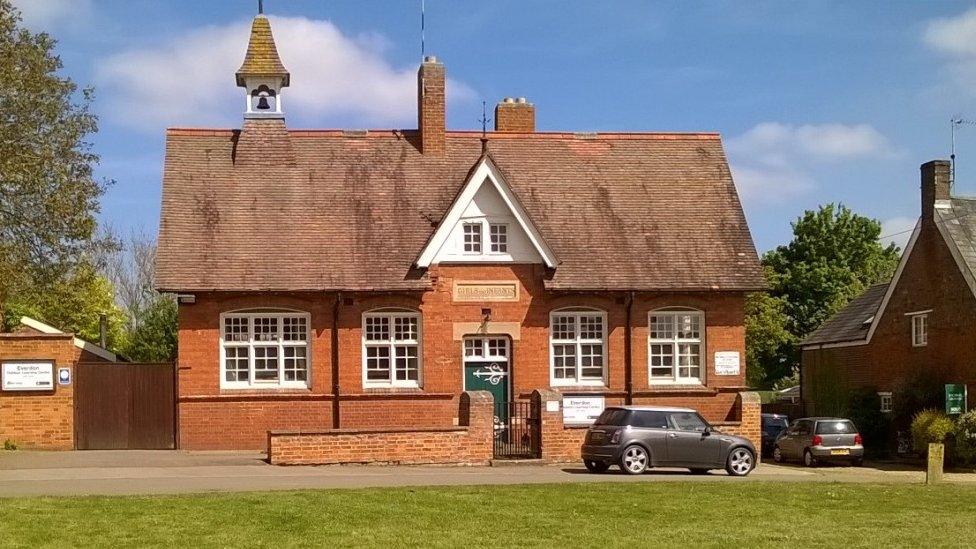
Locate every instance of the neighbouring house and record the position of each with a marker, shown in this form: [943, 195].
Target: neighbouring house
[354, 280]
[38, 367]
[920, 324]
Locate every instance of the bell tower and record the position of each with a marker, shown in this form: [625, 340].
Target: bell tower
[262, 75]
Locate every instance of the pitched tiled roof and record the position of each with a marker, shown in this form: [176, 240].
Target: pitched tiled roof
[262, 55]
[853, 321]
[352, 211]
[959, 224]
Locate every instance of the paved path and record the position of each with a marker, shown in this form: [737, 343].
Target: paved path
[172, 472]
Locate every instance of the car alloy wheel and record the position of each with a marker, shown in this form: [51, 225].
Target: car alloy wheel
[808, 459]
[634, 461]
[740, 462]
[777, 455]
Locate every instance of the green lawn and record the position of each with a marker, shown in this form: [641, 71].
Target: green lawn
[717, 514]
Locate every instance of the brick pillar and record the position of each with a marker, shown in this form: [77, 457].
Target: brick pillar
[547, 406]
[750, 408]
[477, 413]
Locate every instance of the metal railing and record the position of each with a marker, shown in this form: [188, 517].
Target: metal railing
[516, 431]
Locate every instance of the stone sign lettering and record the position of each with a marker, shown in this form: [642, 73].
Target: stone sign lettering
[486, 291]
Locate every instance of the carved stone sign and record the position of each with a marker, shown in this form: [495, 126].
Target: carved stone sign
[479, 290]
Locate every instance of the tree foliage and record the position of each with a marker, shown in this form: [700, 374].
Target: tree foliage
[153, 338]
[833, 257]
[48, 193]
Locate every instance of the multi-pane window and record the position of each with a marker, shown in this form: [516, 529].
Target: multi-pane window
[886, 402]
[577, 343]
[920, 330]
[675, 347]
[485, 348]
[472, 238]
[499, 237]
[391, 349]
[264, 349]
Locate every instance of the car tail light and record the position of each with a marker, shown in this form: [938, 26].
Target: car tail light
[615, 438]
[817, 440]
[858, 441]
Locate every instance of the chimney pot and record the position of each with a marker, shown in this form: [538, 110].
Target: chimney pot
[430, 59]
[521, 100]
[509, 100]
[935, 185]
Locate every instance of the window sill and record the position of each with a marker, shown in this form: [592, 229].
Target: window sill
[270, 389]
[388, 389]
[674, 388]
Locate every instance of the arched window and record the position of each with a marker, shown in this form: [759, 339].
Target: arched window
[675, 346]
[391, 348]
[577, 346]
[264, 349]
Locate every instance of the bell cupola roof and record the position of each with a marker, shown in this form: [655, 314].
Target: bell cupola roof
[262, 59]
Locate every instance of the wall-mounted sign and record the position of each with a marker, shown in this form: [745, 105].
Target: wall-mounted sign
[727, 363]
[64, 376]
[955, 398]
[28, 375]
[582, 410]
[479, 290]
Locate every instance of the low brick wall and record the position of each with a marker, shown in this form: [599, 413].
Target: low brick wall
[749, 424]
[470, 443]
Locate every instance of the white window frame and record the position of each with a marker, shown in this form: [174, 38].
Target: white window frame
[280, 343]
[920, 329]
[675, 341]
[391, 344]
[887, 404]
[480, 240]
[492, 245]
[579, 380]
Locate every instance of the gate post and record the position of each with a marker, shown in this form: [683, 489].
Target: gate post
[547, 407]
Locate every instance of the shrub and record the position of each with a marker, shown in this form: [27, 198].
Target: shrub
[964, 449]
[931, 426]
[916, 394]
[9, 445]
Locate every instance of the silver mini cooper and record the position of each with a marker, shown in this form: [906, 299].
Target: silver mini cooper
[639, 437]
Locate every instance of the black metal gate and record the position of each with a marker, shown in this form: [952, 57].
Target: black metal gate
[517, 434]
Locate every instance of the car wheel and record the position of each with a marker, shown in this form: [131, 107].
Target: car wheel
[740, 462]
[596, 466]
[857, 462]
[808, 459]
[698, 471]
[635, 460]
[777, 455]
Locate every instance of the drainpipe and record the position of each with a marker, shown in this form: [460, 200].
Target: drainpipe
[335, 361]
[628, 365]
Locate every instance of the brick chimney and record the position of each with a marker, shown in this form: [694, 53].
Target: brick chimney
[514, 115]
[935, 185]
[430, 107]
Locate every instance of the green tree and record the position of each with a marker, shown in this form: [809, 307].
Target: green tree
[48, 193]
[154, 337]
[74, 303]
[768, 342]
[833, 257]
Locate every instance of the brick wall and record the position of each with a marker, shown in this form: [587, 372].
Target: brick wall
[470, 443]
[39, 420]
[246, 416]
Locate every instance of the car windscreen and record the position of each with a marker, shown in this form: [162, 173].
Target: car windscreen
[839, 427]
[613, 416]
[774, 424]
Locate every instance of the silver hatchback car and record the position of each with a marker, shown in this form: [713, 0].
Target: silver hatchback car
[639, 437]
[813, 439]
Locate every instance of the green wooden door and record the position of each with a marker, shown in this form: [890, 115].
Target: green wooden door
[486, 368]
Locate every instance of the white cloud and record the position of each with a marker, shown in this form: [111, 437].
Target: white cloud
[190, 80]
[46, 14]
[955, 37]
[897, 230]
[773, 162]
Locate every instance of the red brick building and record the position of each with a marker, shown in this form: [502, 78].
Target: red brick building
[350, 279]
[922, 323]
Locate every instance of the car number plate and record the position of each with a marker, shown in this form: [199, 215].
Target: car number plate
[840, 452]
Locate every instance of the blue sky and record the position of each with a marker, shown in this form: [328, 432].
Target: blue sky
[817, 102]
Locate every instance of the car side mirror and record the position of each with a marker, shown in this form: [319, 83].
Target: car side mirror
[707, 432]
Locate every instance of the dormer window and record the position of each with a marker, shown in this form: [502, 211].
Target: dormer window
[472, 238]
[499, 238]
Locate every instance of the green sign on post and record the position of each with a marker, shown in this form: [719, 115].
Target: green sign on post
[955, 398]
